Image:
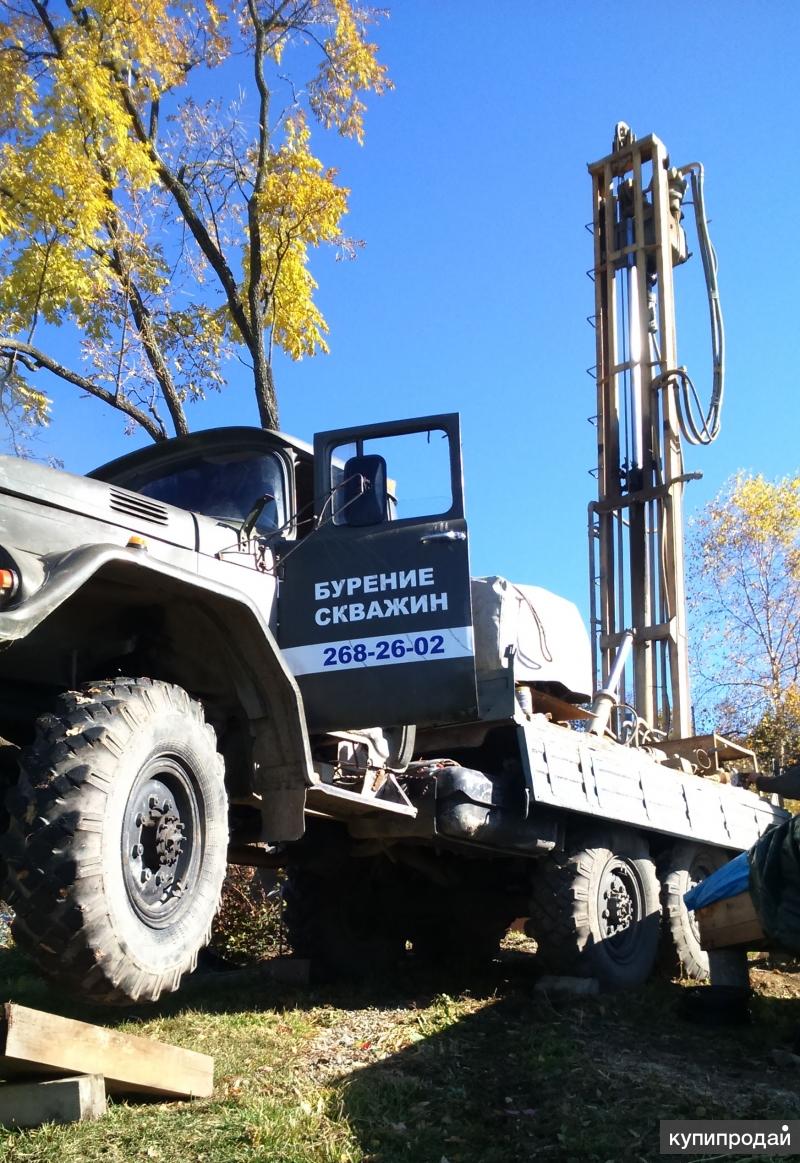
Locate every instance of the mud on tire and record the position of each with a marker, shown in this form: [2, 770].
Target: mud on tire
[117, 838]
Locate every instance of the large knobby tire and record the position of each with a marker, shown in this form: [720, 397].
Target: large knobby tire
[117, 840]
[595, 910]
[342, 917]
[688, 864]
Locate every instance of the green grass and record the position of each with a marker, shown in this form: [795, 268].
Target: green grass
[424, 1068]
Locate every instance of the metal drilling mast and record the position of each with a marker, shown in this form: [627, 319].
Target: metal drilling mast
[644, 403]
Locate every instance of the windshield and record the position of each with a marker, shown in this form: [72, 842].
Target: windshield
[225, 485]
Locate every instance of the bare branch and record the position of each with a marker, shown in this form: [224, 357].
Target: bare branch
[34, 359]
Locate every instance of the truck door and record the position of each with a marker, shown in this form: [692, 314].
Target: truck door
[375, 616]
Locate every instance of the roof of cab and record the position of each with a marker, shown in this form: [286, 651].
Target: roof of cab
[204, 439]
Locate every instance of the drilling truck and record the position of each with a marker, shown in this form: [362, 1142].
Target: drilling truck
[234, 647]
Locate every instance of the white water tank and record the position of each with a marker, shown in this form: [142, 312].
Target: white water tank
[544, 633]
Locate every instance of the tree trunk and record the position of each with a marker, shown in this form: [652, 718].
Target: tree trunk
[265, 391]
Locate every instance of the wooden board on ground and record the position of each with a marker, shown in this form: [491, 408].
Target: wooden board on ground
[61, 1100]
[730, 922]
[33, 1042]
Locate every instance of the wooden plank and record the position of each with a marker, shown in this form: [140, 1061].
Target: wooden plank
[730, 922]
[33, 1042]
[60, 1100]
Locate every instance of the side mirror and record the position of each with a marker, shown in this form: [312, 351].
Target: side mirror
[364, 492]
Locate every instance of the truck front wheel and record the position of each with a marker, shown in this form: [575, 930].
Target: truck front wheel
[595, 910]
[117, 841]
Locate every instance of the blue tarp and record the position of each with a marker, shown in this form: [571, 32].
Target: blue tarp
[770, 872]
[730, 880]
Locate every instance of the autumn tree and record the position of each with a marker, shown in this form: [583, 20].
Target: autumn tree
[744, 586]
[169, 227]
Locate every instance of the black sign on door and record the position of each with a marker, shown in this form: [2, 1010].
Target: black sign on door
[375, 616]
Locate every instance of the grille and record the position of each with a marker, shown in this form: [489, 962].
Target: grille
[134, 505]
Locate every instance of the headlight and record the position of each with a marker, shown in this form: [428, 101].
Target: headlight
[9, 584]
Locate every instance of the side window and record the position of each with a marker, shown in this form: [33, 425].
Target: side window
[418, 475]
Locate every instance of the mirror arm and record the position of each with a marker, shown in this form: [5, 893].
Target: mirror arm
[249, 523]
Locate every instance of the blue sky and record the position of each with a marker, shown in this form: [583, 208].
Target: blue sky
[471, 192]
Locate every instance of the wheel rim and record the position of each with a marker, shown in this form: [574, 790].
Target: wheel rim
[620, 907]
[162, 840]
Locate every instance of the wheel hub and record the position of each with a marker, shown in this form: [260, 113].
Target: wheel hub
[160, 858]
[169, 838]
[621, 906]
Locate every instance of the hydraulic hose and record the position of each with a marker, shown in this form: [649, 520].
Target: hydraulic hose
[696, 427]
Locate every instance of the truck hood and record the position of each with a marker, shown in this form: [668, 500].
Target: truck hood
[24, 480]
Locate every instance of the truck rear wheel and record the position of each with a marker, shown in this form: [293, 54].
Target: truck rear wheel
[688, 865]
[595, 910]
[117, 840]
